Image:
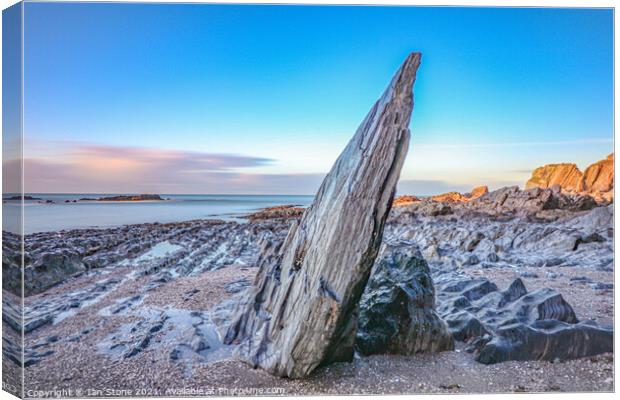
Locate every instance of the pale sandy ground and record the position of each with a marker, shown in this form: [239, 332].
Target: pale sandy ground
[82, 369]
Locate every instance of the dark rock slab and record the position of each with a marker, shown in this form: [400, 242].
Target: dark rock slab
[50, 269]
[547, 340]
[302, 310]
[515, 324]
[397, 309]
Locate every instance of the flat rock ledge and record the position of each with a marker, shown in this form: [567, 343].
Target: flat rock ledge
[302, 310]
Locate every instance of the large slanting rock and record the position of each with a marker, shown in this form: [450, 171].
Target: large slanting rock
[397, 310]
[302, 310]
[568, 176]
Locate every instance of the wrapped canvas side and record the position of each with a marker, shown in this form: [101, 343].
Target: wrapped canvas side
[12, 201]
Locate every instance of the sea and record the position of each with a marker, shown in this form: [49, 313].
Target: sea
[63, 213]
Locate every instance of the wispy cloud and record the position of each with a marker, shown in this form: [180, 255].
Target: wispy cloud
[513, 144]
[106, 158]
[113, 169]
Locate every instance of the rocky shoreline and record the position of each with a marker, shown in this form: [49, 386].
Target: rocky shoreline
[109, 305]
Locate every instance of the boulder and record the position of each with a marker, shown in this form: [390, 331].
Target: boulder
[397, 309]
[301, 311]
[547, 340]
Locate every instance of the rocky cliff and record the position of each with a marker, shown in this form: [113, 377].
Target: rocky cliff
[597, 180]
[599, 177]
[568, 176]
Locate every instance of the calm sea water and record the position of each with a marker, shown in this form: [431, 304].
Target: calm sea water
[60, 215]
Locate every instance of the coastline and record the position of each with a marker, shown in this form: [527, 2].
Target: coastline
[64, 214]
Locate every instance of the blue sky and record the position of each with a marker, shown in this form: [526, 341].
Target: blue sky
[262, 99]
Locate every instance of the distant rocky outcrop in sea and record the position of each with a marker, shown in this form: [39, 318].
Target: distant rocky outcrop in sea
[597, 180]
[21, 197]
[139, 197]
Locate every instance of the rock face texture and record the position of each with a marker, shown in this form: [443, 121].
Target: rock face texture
[302, 310]
[568, 176]
[397, 310]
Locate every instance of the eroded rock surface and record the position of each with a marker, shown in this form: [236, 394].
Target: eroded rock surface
[515, 324]
[302, 309]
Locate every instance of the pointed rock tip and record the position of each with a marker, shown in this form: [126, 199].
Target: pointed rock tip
[412, 61]
[405, 76]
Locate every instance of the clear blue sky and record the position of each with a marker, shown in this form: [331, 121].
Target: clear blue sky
[262, 99]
